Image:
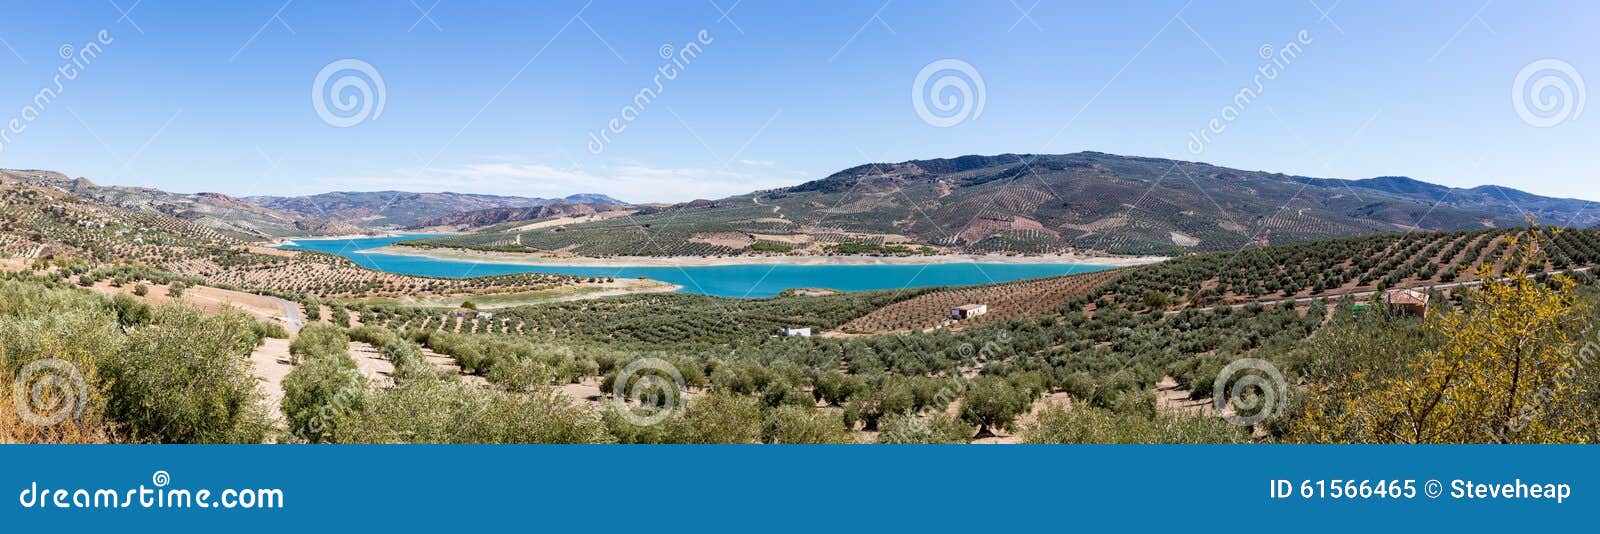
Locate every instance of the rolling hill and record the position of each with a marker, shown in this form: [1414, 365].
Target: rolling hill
[1039, 204]
[402, 209]
[223, 213]
[1504, 200]
[44, 224]
[339, 213]
[480, 219]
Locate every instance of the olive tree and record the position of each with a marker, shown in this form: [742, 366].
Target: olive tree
[992, 402]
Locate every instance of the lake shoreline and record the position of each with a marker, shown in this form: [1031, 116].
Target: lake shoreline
[735, 277]
[518, 258]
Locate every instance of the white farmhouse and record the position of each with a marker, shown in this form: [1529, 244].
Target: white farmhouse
[968, 311]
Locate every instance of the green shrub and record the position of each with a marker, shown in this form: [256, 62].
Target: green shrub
[519, 375]
[891, 395]
[1083, 425]
[205, 357]
[993, 403]
[938, 428]
[718, 418]
[447, 411]
[803, 425]
[320, 340]
[317, 391]
[72, 326]
[264, 329]
[130, 312]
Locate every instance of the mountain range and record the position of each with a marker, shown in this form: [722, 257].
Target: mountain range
[268, 217]
[402, 209]
[1086, 201]
[1045, 203]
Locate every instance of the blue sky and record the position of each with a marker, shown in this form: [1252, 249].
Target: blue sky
[502, 97]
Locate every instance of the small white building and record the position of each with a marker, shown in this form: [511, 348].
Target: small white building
[796, 332]
[968, 311]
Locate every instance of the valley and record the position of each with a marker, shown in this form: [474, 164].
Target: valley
[1062, 325]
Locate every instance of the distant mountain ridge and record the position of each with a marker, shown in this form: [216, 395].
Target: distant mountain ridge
[403, 209]
[493, 216]
[269, 217]
[1499, 199]
[221, 212]
[1017, 203]
[1023, 203]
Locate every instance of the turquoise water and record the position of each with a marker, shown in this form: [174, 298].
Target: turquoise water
[740, 281]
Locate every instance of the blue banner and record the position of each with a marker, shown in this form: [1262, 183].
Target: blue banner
[794, 488]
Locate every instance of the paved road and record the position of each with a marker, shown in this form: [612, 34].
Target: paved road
[291, 312]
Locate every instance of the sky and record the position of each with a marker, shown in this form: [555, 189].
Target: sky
[671, 101]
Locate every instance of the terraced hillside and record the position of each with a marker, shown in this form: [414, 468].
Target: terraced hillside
[1010, 300]
[225, 214]
[667, 318]
[1027, 204]
[1336, 267]
[1326, 269]
[38, 223]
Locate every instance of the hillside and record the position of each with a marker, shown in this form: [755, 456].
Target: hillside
[1032, 204]
[339, 213]
[402, 209]
[220, 212]
[495, 216]
[40, 225]
[1493, 198]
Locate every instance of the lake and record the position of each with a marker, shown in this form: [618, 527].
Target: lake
[739, 281]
